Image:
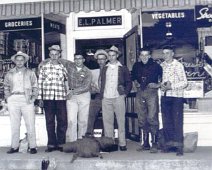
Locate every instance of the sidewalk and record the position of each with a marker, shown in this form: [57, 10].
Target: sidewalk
[131, 159]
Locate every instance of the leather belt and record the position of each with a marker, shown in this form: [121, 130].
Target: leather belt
[18, 93]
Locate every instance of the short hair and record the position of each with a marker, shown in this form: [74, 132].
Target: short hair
[79, 53]
[145, 48]
[168, 47]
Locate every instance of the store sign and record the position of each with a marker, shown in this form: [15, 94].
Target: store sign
[99, 21]
[20, 24]
[51, 26]
[194, 71]
[203, 14]
[168, 15]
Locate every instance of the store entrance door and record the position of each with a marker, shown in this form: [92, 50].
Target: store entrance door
[89, 47]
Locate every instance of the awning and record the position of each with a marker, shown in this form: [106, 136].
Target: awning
[67, 6]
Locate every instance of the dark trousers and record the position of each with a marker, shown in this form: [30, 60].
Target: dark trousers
[172, 117]
[55, 108]
[94, 109]
[147, 108]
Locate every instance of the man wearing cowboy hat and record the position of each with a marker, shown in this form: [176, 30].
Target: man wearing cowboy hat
[52, 91]
[115, 85]
[21, 90]
[96, 103]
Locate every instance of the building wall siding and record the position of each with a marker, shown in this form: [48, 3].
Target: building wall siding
[67, 6]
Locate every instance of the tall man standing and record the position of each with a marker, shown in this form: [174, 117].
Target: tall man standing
[78, 99]
[115, 85]
[96, 102]
[173, 83]
[21, 90]
[52, 90]
[147, 73]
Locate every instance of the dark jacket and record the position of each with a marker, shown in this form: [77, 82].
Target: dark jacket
[124, 80]
[147, 73]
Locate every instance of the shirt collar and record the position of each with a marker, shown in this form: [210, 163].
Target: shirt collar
[117, 64]
[168, 64]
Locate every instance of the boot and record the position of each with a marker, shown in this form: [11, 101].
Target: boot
[179, 151]
[154, 148]
[146, 145]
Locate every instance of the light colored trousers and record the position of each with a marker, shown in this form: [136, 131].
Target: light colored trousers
[77, 109]
[109, 106]
[18, 107]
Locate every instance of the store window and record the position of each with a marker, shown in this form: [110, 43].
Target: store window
[180, 29]
[26, 35]
[19, 35]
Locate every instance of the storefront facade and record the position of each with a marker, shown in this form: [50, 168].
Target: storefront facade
[88, 25]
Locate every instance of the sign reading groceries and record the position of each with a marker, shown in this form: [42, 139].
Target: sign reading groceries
[19, 24]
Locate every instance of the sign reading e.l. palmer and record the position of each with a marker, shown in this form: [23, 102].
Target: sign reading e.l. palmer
[99, 21]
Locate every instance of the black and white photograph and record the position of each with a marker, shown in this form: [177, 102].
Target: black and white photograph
[105, 84]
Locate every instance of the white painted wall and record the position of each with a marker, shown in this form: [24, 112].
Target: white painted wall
[73, 32]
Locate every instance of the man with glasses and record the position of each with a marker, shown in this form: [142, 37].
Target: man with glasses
[96, 103]
[78, 98]
[147, 74]
[52, 91]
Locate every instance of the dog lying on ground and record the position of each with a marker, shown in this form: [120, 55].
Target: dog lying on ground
[90, 146]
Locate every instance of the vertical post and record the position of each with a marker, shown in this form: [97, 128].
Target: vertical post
[42, 36]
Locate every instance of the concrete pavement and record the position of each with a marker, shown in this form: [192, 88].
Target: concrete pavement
[131, 159]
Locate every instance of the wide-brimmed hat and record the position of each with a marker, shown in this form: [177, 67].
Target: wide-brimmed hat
[114, 48]
[20, 53]
[55, 47]
[100, 51]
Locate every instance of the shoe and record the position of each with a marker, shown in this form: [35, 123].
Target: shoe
[154, 148]
[122, 148]
[143, 147]
[146, 145]
[179, 152]
[60, 148]
[33, 151]
[51, 149]
[12, 150]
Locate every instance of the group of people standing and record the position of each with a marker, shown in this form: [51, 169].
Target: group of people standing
[71, 100]
[170, 77]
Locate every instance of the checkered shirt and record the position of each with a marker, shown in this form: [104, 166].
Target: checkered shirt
[51, 82]
[175, 73]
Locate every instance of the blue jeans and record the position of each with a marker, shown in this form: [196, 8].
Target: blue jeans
[172, 117]
[55, 108]
[147, 108]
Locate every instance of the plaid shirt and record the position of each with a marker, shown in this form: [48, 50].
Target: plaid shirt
[78, 81]
[175, 73]
[51, 82]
